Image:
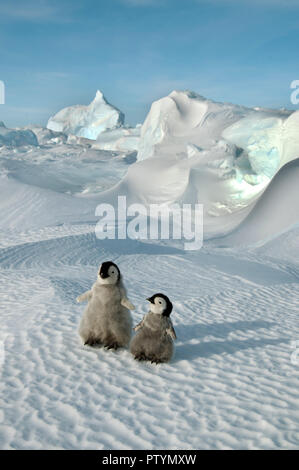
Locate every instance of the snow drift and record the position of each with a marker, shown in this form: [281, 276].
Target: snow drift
[193, 150]
[276, 212]
[87, 121]
[185, 117]
[270, 141]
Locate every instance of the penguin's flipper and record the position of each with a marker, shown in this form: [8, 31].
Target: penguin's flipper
[86, 296]
[126, 303]
[171, 332]
[140, 324]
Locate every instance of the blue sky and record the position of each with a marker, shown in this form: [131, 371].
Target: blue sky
[57, 53]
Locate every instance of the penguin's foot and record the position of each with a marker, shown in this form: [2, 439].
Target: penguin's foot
[140, 357]
[114, 345]
[155, 360]
[92, 342]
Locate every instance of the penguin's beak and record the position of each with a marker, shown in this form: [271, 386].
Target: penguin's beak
[150, 300]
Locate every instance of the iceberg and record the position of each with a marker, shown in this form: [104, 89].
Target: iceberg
[87, 121]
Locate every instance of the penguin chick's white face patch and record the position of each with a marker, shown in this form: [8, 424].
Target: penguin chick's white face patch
[108, 273]
[159, 305]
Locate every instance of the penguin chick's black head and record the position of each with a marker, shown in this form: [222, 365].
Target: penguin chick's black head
[105, 268]
[167, 311]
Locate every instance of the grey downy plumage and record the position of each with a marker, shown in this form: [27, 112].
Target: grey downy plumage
[155, 333]
[106, 319]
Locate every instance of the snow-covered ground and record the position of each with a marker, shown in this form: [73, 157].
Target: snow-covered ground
[234, 380]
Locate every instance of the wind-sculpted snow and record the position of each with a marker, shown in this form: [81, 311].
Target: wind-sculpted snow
[270, 142]
[231, 384]
[64, 166]
[194, 150]
[276, 211]
[203, 178]
[184, 118]
[87, 121]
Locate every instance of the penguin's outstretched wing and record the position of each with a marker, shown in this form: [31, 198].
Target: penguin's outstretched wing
[140, 325]
[126, 303]
[170, 330]
[86, 296]
[124, 300]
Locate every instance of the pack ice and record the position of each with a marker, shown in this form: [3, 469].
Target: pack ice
[16, 137]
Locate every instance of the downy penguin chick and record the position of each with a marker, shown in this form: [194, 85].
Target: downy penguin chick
[155, 333]
[106, 319]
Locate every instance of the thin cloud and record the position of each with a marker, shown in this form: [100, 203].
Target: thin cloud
[45, 76]
[141, 3]
[274, 3]
[278, 3]
[33, 11]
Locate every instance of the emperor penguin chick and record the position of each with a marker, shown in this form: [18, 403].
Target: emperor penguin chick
[107, 318]
[155, 333]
